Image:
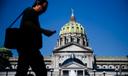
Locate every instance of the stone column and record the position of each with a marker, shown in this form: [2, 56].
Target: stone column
[81, 41]
[61, 72]
[60, 41]
[76, 73]
[69, 39]
[83, 72]
[63, 40]
[57, 43]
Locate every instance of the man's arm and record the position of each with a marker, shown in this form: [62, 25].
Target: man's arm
[47, 32]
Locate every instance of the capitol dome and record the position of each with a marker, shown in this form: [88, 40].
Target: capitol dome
[72, 32]
[72, 27]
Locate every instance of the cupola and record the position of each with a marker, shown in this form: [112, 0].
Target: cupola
[72, 32]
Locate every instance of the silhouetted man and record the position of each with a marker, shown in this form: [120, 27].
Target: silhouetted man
[31, 41]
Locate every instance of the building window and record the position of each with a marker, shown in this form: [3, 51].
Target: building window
[116, 66]
[81, 29]
[86, 73]
[62, 56]
[78, 41]
[67, 29]
[65, 73]
[79, 73]
[110, 67]
[83, 42]
[60, 41]
[47, 67]
[72, 39]
[104, 66]
[77, 29]
[72, 29]
[123, 67]
[97, 67]
[85, 64]
[67, 40]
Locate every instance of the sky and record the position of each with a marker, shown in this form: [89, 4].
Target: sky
[105, 22]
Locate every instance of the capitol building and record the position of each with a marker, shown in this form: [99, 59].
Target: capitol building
[72, 56]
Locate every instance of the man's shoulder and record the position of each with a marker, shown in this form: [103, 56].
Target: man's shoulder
[28, 9]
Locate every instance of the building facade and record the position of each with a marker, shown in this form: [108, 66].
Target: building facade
[72, 56]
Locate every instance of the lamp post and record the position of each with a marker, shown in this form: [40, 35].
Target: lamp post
[60, 72]
[51, 71]
[94, 72]
[7, 70]
[116, 70]
[120, 70]
[104, 73]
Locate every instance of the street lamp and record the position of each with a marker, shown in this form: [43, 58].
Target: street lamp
[94, 72]
[104, 73]
[116, 70]
[7, 70]
[51, 71]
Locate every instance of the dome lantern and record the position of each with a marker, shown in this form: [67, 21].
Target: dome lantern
[72, 16]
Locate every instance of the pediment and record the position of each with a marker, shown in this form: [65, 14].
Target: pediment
[73, 65]
[73, 47]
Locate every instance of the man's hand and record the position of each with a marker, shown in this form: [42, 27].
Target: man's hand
[48, 32]
[54, 31]
[51, 33]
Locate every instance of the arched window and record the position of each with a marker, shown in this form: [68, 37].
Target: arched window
[65, 73]
[99, 66]
[84, 42]
[111, 67]
[81, 29]
[67, 40]
[80, 72]
[72, 29]
[67, 29]
[72, 39]
[117, 67]
[123, 66]
[60, 41]
[77, 29]
[78, 40]
[105, 67]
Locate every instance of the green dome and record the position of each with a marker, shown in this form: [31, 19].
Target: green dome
[72, 27]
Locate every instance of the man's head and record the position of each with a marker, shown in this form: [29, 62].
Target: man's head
[40, 6]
